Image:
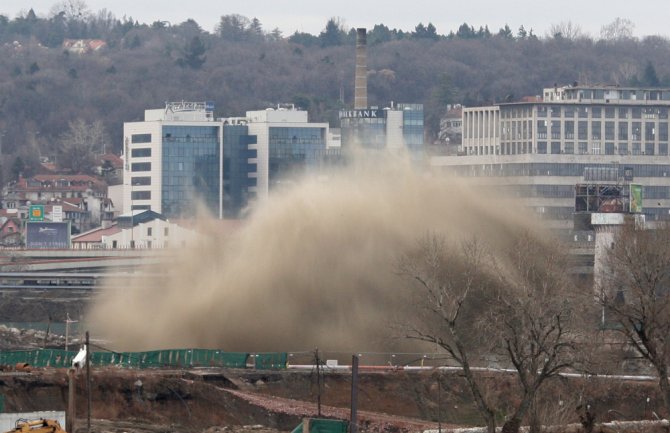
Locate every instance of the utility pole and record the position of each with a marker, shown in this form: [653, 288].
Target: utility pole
[70, 416]
[88, 384]
[318, 382]
[67, 330]
[353, 423]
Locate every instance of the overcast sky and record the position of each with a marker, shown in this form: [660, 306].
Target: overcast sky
[649, 16]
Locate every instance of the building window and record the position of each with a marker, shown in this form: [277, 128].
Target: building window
[149, 231]
[648, 148]
[142, 181]
[139, 153]
[570, 147]
[140, 166]
[595, 130]
[583, 147]
[166, 231]
[609, 148]
[541, 147]
[555, 147]
[649, 131]
[140, 138]
[623, 131]
[609, 130]
[140, 195]
[636, 132]
[583, 130]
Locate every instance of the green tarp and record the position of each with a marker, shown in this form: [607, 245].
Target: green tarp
[270, 361]
[177, 358]
[319, 425]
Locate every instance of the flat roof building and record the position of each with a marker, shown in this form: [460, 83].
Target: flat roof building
[541, 148]
[181, 157]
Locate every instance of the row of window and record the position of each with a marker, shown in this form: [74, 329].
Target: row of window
[609, 112]
[555, 169]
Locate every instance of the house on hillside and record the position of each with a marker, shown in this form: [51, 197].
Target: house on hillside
[83, 198]
[10, 230]
[83, 46]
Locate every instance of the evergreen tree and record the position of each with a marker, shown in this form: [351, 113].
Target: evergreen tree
[194, 54]
[650, 78]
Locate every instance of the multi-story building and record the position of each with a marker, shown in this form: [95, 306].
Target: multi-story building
[180, 157]
[396, 127]
[287, 145]
[543, 146]
[172, 160]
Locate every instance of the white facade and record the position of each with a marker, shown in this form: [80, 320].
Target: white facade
[259, 124]
[540, 149]
[143, 153]
[153, 234]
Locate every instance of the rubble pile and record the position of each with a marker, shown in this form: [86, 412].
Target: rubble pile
[27, 339]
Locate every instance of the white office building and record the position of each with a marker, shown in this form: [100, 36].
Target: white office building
[541, 147]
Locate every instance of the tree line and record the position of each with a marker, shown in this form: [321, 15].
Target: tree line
[516, 306]
[243, 66]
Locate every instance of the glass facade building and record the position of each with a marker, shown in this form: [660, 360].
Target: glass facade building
[237, 169]
[293, 151]
[190, 167]
[397, 127]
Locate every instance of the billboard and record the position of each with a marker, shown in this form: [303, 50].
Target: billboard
[635, 198]
[46, 235]
[57, 214]
[36, 212]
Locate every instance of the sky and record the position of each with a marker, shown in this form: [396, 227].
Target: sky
[648, 16]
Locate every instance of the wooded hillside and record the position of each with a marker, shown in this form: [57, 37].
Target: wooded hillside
[242, 66]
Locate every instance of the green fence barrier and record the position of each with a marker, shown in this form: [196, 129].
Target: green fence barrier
[175, 358]
[271, 361]
[319, 425]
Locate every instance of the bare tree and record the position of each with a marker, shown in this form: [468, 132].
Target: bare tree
[515, 303]
[448, 282]
[620, 28]
[636, 295]
[79, 144]
[566, 30]
[535, 320]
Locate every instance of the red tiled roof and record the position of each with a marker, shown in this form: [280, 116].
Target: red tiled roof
[66, 208]
[68, 177]
[96, 235]
[114, 160]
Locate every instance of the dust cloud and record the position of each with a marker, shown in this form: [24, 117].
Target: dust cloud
[313, 267]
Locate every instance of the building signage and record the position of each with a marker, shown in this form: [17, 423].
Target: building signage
[45, 235]
[635, 198]
[36, 212]
[362, 114]
[57, 214]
